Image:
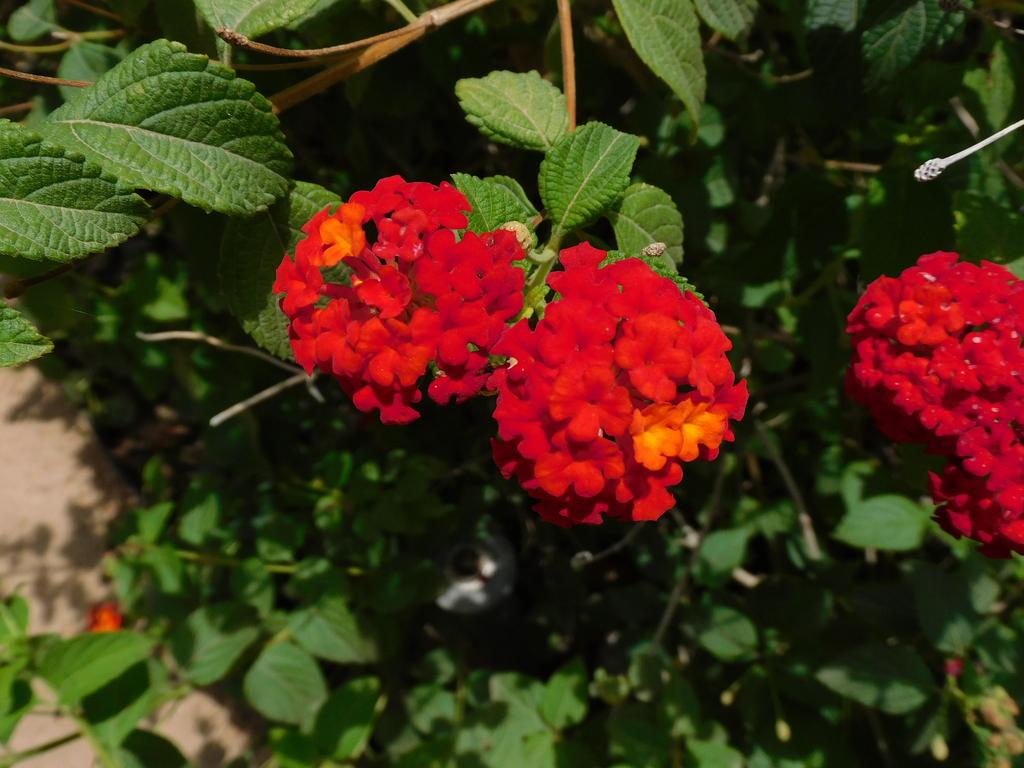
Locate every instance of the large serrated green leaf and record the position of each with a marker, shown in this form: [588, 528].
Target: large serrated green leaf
[518, 108]
[902, 31]
[251, 250]
[20, 342]
[666, 35]
[585, 174]
[285, 684]
[253, 18]
[645, 215]
[55, 205]
[496, 200]
[175, 122]
[733, 18]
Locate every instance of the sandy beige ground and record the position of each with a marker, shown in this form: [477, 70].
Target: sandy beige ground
[58, 491]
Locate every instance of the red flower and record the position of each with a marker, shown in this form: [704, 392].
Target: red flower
[937, 360]
[622, 381]
[415, 297]
[105, 617]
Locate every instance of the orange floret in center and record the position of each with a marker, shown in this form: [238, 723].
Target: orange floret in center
[342, 234]
[663, 431]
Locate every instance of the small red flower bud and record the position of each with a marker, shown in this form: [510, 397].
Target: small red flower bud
[105, 617]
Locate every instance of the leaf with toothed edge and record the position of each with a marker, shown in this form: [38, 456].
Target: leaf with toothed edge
[20, 342]
[518, 108]
[175, 122]
[56, 205]
[584, 174]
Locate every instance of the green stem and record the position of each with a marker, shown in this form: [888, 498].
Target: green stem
[231, 562]
[204, 558]
[403, 10]
[6, 761]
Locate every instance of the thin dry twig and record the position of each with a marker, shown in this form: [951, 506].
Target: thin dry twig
[213, 341]
[13, 109]
[806, 523]
[586, 557]
[93, 9]
[361, 54]
[17, 287]
[694, 544]
[259, 397]
[568, 59]
[14, 74]
[852, 165]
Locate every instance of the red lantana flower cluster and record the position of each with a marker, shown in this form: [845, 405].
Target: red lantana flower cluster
[938, 361]
[600, 402]
[623, 380]
[413, 298]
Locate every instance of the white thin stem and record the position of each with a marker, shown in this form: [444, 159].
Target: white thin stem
[259, 397]
[213, 341]
[983, 143]
[932, 168]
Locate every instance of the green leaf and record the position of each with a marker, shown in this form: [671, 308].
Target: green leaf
[892, 679]
[21, 700]
[20, 342]
[145, 749]
[842, 14]
[523, 696]
[666, 36]
[285, 684]
[252, 249]
[32, 20]
[114, 710]
[728, 634]
[331, 631]
[713, 754]
[995, 87]
[901, 32]
[719, 554]
[645, 215]
[174, 122]
[888, 522]
[585, 174]
[496, 200]
[985, 229]
[565, 696]
[253, 18]
[733, 18]
[88, 61]
[55, 205]
[517, 108]
[345, 721]
[944, 609]
[80, 665]
[212, 640]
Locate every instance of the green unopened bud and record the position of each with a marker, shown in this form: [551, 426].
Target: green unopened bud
[782, 731]
[728, 697]
[939, 748]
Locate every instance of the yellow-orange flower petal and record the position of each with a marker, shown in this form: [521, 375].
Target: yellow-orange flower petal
[342, 234]
[663, 431]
